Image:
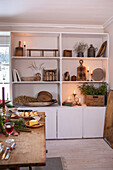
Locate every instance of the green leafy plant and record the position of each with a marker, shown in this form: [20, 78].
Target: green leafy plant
[87, 89]
[80, 47]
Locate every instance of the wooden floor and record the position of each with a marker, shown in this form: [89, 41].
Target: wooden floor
[84, 154]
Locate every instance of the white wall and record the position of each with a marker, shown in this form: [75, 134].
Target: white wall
[109, 29]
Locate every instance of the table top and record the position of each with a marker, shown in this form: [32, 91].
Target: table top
[30, 149]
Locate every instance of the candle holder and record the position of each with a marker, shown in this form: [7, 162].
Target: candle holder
[91, 77]
[74, 102]
[87, 75]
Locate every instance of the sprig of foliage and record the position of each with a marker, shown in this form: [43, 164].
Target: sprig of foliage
[80, 47]
[19, 125]
[87, 89]
[34, 67]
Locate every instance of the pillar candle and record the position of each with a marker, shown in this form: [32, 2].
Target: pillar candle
[3, 100]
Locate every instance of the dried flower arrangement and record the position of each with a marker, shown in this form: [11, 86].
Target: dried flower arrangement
[80, 48]
[36, 68]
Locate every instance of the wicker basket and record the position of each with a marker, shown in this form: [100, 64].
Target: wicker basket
[27, 78]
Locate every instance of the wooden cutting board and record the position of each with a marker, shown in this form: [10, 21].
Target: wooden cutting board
[19, 50]
[81, 72]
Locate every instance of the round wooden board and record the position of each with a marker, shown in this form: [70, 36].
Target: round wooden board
[44, 96]
[98, 74]
[34, 126]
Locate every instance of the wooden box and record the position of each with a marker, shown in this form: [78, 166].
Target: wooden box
[95, 100]
[67, 53]
[50, 75]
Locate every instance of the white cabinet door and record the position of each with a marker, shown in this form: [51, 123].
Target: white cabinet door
[69, 122]
[50, 121]
[93, 121]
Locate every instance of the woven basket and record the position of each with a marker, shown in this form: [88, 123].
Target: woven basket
[27, 78]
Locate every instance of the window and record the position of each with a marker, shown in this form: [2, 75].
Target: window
[5, 64]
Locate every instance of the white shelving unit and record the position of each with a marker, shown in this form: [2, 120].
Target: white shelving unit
[60, 89]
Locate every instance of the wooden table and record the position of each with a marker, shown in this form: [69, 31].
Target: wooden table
[30, 149]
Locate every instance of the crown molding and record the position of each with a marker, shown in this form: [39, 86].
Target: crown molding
[39, 25]
[108, 22]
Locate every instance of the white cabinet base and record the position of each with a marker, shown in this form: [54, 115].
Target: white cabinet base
[69, 123]
[93, 122]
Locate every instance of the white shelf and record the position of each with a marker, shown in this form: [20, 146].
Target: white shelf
[36, 82]
[85, 58]
[33, 57]
[82, 82]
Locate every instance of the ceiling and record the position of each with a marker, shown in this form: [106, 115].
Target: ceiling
[85, 12]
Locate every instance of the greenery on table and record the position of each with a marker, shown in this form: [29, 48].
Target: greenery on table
[19, 125]
[87, 89]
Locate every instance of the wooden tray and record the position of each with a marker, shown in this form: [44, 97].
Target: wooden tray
[40, 104]
[102, 49]
[34, 126]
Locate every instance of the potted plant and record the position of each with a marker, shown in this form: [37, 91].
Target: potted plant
[80, 48]
[94, 96]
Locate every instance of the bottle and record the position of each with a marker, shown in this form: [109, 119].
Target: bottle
[91, 51]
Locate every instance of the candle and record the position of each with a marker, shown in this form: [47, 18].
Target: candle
[91, 75]
[3, 100]
[79, 100]
[88, 74]
[24, 43]
[69, 98]
[25, 50]
[74, 92]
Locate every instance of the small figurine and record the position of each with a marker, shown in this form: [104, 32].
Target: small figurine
[66, 76]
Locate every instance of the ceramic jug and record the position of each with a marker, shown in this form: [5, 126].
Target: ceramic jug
[91, 51]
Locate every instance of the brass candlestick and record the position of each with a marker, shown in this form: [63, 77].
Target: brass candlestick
[74, 102]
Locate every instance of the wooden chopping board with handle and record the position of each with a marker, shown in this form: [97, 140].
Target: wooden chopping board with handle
[81, 72]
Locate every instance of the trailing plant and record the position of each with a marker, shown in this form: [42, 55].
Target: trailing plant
[87, 89]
